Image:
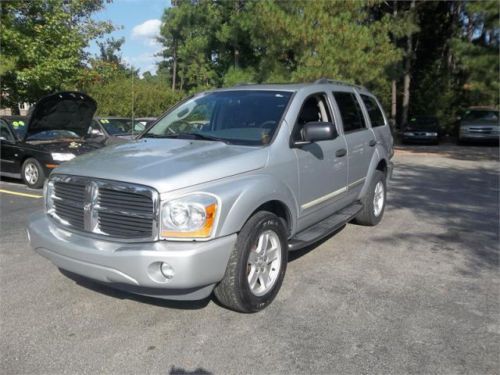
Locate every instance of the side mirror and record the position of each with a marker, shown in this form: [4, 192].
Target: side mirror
[319, 131]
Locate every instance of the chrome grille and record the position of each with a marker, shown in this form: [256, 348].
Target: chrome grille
[69, 199]
[119, 210]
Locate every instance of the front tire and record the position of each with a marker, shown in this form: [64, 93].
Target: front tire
[373, 201]
[257, 265]
[32, 173]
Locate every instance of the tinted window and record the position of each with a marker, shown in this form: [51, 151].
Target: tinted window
[350, 111]
[374, 111]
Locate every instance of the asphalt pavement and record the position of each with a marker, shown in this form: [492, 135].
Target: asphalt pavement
[419, 293]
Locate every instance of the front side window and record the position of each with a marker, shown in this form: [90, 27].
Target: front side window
[350, 111]
[374, 111]
[314, 109]
[244, 117]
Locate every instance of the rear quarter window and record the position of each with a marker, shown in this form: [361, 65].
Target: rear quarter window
[350, 111]
[374, 111]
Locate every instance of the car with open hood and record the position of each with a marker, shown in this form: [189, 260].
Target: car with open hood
[479, 124]
[57, 129]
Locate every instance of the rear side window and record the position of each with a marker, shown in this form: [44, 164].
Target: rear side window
[350, 111]
[374, 111]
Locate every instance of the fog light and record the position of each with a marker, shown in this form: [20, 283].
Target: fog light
[167, 271]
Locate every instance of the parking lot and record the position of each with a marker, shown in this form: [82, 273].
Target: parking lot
[416, 294]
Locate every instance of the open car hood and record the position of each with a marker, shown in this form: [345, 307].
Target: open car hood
[72, 111]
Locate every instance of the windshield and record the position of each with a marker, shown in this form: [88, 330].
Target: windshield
[483, 115]
[47, 135]
[423, 122]
[238, 117]
[121, 126]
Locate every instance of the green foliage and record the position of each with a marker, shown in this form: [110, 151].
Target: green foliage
[42, 45]
[131, 96]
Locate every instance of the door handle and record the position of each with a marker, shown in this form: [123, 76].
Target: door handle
[341, 152]
[372, 143]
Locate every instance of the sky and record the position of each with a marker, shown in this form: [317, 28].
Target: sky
[138, 21]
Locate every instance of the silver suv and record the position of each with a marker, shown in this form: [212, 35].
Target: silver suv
[214, 196]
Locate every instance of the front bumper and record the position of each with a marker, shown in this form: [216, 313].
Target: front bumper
[135, 267]
[479, 136]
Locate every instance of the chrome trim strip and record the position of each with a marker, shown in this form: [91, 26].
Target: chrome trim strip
[352, 184]
[324, 198]
[332, 194]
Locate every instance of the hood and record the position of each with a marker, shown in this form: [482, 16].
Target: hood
[167, 164]
[72, 111]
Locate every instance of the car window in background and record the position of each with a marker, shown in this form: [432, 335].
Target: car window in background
[118, 126]
[19, 124]
[374, 111]
[483, 115]
[246, 117]
[350, 111]
[5, 132]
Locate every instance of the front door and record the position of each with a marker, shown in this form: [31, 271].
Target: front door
[360, 139]
[322, 166]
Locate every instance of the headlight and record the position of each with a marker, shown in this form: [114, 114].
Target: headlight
[432, 134]
[408, 134]
[57, 156]
[191, 216]
[48, 194]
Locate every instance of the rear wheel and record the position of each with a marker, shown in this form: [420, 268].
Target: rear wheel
[32, 173]
[257, 265]
[373, 201]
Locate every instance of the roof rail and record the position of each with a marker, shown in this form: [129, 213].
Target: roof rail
[335, 82]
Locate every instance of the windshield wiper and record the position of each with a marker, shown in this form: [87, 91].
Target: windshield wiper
[197, 136]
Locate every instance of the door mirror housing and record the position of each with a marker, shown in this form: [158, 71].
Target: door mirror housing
[319, 131]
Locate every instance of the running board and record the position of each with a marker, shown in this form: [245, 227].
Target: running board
[325, 227]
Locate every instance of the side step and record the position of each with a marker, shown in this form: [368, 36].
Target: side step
[325, 227]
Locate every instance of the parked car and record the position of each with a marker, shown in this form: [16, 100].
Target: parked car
[479, 124]
[121, 127]
[422, 129]
[56, 131]
[219, 190]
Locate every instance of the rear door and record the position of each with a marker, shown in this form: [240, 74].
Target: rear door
[359, 138]
[378, 122]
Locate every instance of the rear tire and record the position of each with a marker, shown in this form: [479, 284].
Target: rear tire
[257, 265]
[373, 201]
[32, 173]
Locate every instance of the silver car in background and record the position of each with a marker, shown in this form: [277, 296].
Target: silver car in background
[479, 124]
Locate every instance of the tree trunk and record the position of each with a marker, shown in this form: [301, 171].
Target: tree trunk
[407, 75]
[174, 67]
[394, 100]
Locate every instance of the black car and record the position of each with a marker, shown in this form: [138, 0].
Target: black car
[422, 129]
[58, 129]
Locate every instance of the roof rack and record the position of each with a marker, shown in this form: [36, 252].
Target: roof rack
[335, 82]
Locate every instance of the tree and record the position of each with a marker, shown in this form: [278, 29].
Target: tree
[42, 45]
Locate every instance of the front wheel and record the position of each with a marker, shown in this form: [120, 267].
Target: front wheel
[32, 173]
[257, 265]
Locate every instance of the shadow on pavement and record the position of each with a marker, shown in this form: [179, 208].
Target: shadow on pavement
[117, 293]
[464, 201]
